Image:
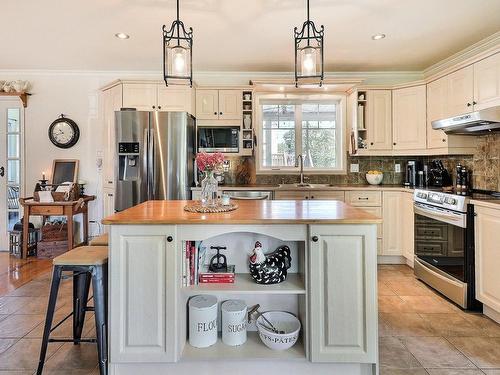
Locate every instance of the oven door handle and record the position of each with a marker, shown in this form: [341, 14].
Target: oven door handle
[454, 219]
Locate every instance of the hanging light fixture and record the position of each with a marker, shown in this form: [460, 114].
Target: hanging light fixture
[309, 51]
[177, 52]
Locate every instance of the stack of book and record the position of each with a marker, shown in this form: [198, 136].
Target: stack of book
[207, 276]
[195, 266]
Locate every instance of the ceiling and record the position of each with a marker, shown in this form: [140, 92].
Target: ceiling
[240, 35]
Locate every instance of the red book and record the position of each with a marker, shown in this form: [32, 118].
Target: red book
[227, 280]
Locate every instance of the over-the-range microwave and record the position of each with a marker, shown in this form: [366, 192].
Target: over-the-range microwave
[219, 139]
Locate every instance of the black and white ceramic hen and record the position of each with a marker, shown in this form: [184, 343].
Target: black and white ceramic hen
[271, 268]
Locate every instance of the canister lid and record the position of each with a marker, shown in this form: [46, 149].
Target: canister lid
[203, 302]
[233, 305]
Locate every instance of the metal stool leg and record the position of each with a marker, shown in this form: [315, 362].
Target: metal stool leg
[56, 280]
[99, 285]
[81, 286]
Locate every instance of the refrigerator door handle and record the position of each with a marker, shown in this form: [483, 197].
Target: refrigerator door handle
[151, 166]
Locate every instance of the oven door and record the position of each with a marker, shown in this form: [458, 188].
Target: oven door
[440, 240]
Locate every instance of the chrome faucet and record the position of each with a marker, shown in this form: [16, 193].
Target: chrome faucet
[300, 162]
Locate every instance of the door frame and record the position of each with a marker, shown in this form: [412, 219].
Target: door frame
[5, 103]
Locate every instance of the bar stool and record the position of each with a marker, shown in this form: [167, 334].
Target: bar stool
[101, 240]
[86, 263]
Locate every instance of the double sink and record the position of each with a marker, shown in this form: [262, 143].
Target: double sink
[303, 186]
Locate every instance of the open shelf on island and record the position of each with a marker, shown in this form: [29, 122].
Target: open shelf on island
[244, 284]
[254, 348]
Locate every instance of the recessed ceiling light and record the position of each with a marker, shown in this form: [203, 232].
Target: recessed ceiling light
[378, 36]
[122, 36]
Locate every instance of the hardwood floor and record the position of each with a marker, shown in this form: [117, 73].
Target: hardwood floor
[420, 333]
[15, 272]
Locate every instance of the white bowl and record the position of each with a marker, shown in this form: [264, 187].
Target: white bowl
[282, 321]
[374, 179]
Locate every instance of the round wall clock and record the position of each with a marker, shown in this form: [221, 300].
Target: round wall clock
[64, 132]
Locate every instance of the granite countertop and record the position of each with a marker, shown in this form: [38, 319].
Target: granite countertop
[312, 187]
[249, 212]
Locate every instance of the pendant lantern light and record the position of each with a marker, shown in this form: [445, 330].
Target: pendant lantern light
[309, 52]
[177, 52]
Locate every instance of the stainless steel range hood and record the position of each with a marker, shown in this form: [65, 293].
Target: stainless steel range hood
[474, 123]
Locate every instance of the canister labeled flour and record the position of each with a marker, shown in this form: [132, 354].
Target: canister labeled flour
[202, 321]
[234, 322]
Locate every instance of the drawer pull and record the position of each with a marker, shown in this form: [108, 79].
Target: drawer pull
[363, 198]
[170, 238]
[315, 238]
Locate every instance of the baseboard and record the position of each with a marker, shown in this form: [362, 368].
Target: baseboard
[391, 259]
[492, 314]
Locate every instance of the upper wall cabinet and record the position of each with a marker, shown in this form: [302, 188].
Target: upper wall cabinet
[219, 104]
[378, 120]
[460, 91]
[436, 109]
[409, 118]
[156, 96]
[487, 82]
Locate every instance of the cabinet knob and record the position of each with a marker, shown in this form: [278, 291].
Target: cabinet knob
[444, 140]
[215, 113]
[394, 143]
[170, 238]
[307, 197]
[159, 107]
[312, 196]
[110, 195]
[371, 143]
[154, 107]
[110, 182]
[474, 103]
[315, 238]
[220, 113]
[468, 104]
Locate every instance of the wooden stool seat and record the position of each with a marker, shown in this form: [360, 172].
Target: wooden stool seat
[83, 256]
[101, 240]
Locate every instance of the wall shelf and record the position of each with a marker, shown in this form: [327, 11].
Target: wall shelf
[244, 284]
[254, 349]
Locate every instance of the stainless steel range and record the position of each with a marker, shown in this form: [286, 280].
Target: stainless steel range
[444, 245]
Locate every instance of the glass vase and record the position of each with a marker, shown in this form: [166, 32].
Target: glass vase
[209, 187]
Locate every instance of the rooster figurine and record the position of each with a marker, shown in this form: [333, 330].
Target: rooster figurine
[271, 268]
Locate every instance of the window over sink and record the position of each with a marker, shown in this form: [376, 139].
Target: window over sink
[288, 127]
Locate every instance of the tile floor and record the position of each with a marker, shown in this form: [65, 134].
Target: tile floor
[420, 332]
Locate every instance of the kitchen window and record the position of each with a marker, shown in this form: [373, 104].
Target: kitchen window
[312, 128]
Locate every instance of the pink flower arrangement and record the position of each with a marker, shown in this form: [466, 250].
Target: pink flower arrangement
[209, 162]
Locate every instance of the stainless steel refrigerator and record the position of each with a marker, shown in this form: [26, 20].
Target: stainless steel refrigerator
[155, 156]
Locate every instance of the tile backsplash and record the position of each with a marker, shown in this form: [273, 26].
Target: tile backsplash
[485, 166]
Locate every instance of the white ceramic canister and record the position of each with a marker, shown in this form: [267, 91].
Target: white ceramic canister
[202, 321]
[234, 322]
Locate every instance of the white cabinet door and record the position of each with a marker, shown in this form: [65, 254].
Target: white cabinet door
[460, 91]
[327, 195]
[112, 102]
[292, 194]
[230, 104]
[141, 96]
[392, 223]
[108, 201]
[142, 294]
[175, 99]
[343, 295]
[487, 250]
[409, 118]
[408, 229]
[379, 119]
[207, 104]
[437, 92]
[487, 82]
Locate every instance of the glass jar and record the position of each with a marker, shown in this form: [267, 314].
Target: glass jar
[209, 187]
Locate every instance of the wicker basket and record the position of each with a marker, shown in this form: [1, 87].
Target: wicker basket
[72, 195]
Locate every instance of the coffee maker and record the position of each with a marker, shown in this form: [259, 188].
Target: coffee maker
[412, 169]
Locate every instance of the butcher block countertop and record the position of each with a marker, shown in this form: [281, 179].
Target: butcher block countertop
[249, 212]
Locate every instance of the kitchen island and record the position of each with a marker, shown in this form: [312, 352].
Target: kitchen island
[331, 287]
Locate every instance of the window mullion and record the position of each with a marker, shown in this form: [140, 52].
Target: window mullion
[298, 129]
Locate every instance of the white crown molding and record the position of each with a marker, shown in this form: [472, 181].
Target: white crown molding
[478, 51]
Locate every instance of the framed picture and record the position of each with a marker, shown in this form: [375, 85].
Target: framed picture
[64, 170]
